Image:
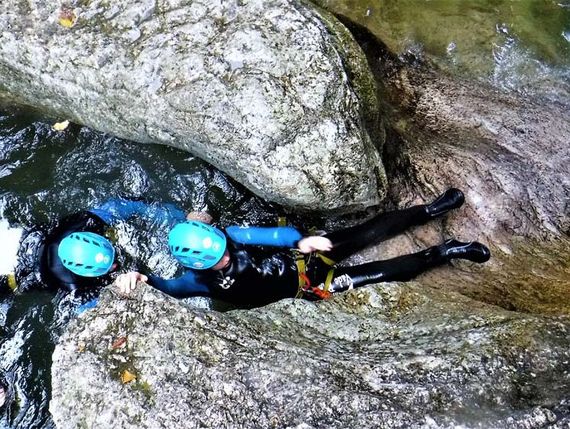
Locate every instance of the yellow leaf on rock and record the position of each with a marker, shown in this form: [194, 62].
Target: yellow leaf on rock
[60, 126]
[67, 23]
[67, 17]
[127, 377]
[12, 281]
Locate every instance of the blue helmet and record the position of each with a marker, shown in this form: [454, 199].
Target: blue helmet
[196, 244]
[86, 254]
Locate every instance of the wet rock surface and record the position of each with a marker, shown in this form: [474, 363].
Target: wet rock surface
[477, 346]
[389, 356]
[508, 153]
[273, 93]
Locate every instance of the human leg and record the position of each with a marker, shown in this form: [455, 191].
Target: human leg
[350, 240]
[407, 267]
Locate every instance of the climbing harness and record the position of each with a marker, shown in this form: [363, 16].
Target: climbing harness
[12, 284]
[305, 287]
[322, 291]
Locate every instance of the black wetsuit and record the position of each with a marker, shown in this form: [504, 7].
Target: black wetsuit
[260, 275]
[97, 220]
[256, 275]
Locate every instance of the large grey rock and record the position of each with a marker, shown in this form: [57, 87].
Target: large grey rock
[391, 356]
[272, 92]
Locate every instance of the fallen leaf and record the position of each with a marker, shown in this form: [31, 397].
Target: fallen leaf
[60, 126]
[67, 17]
[81, 347]
[119, 342]
[127, 377]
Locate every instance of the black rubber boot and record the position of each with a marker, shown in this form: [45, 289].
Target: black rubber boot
[472, 251]
[451, 199]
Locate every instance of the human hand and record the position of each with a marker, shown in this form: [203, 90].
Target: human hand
[314, 242]
[128, 282]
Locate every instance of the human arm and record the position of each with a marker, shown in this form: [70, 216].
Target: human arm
[189, 284]
[314, 243]
[203, 217]
[280, 236]
[120, 209]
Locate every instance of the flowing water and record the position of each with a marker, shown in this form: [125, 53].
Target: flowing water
[522, 46]
[515, 45]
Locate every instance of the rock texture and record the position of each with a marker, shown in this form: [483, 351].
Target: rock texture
[442, 352]
[392, 356]
[273, 93]
[509, 154]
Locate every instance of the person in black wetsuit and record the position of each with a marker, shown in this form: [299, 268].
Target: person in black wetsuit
[78, 253]
[238, 267]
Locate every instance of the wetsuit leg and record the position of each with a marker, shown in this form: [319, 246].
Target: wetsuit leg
[407, 267]
[386, 225]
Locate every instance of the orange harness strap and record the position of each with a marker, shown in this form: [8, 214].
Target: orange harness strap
[304, 281]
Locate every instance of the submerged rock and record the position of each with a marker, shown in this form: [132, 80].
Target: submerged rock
[390, 356]
[274, 93]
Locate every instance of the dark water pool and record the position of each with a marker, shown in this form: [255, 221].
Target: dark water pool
[46, 174]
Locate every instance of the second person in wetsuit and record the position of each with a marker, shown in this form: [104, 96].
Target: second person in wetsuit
[242, 266]
[79, 253]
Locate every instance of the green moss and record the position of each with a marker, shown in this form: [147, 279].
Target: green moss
[355, 63]
[82, 424]
[145, 388]
[532, 277]
[407, 300]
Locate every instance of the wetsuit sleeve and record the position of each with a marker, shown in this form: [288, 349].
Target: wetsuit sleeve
[185, 286]
[120, 209]
[279, 236]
